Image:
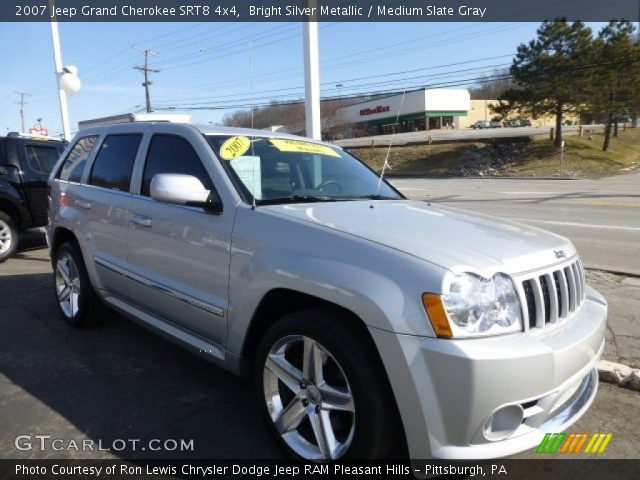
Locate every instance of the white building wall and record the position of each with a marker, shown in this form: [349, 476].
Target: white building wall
[444, 99]
[417, 101]
[413, 102]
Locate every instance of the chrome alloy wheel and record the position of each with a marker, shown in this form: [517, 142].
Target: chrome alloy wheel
[68, 285]
[309, 398]
[6, 237]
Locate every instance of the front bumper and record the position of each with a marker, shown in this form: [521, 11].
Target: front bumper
[447, 390]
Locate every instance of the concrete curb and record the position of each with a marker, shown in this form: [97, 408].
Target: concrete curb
[619, 273]
[619, 374]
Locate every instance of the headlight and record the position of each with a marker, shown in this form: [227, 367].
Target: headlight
[476, 306]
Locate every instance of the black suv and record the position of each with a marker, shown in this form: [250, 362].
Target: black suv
[25, 165]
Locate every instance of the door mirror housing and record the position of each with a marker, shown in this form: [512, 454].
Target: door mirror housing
[186, 190]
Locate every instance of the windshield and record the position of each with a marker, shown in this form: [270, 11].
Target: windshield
[277, 170]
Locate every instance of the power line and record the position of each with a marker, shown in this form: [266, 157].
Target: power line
[346, 85]
[229, 44]
[345, 60]
[461, 82]
[146, 69]
[102, 64]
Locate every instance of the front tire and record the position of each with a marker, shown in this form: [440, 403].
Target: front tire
[77, 302]
[323, 388]
[8, 236]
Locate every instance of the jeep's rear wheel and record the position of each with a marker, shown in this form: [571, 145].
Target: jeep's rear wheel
[8, 236]
[323, 389]
[77, 301]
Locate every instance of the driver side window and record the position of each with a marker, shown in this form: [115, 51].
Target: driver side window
[172, 154]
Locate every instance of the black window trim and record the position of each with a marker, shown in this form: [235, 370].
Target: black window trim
[59, 171]
[95, 157]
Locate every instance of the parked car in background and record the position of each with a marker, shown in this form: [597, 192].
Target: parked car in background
[481, 124]
[525, 123]
[25, 164]
[364, 318]
[512, 123]
[496, 124]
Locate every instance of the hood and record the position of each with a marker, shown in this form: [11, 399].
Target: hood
[454, 239]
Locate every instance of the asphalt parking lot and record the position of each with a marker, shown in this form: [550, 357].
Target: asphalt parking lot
[112, 381]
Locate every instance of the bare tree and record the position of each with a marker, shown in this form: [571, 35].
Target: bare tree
[491, 87]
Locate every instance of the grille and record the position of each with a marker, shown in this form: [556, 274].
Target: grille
[554, 295]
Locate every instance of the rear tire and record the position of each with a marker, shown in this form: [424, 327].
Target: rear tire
[8, 236]
[344, 408]
[77, 301]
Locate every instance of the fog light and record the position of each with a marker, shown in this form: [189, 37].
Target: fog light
[503, 422]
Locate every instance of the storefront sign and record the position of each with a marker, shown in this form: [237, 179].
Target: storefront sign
[373, 111]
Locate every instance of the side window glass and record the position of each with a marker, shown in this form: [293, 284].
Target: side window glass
[73, 165]
[172, 154]
[114, 162]
[41, 159]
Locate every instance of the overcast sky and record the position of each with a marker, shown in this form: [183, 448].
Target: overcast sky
[207, 64]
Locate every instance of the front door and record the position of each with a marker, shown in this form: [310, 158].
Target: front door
[179, 255]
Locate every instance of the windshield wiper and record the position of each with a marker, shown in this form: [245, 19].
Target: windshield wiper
[296, 199]
[376, 197]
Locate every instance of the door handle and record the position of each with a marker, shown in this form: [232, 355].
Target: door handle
[141, 220]
[86, 204]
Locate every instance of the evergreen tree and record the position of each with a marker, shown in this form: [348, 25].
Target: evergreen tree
[549, 73]
[615, 80]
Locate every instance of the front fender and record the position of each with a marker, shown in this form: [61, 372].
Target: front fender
[380, 285]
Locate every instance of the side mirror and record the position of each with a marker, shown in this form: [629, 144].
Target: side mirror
[184, 190]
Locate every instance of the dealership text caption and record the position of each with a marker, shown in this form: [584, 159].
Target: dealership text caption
[252, 12]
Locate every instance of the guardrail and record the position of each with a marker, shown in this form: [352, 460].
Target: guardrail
[456, 136]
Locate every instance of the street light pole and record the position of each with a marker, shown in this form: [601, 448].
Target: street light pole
[62, 95]
[312, 75]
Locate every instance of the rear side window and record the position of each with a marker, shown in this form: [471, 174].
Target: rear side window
[73, 165]
[172, 154]
[114, 163]
[41, 159]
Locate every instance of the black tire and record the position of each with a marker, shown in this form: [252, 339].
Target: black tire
[377, 423]
[90, 309]
[8, 227]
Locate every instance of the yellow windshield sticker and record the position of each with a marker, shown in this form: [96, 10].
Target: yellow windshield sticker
[303, 147]
[234, 147]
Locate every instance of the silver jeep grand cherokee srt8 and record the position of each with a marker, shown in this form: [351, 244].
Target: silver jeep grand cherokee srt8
[364, 317]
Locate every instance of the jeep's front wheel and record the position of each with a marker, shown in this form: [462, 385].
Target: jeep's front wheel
[324, 392]
[8, 236]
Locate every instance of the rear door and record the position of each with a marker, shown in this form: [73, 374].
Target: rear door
[37, 159]
[104, 199]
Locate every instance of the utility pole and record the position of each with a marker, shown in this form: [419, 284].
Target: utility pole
[146, 69]
[339, 86]
[22, 103]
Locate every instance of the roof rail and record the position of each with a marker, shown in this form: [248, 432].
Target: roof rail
[32, 136]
